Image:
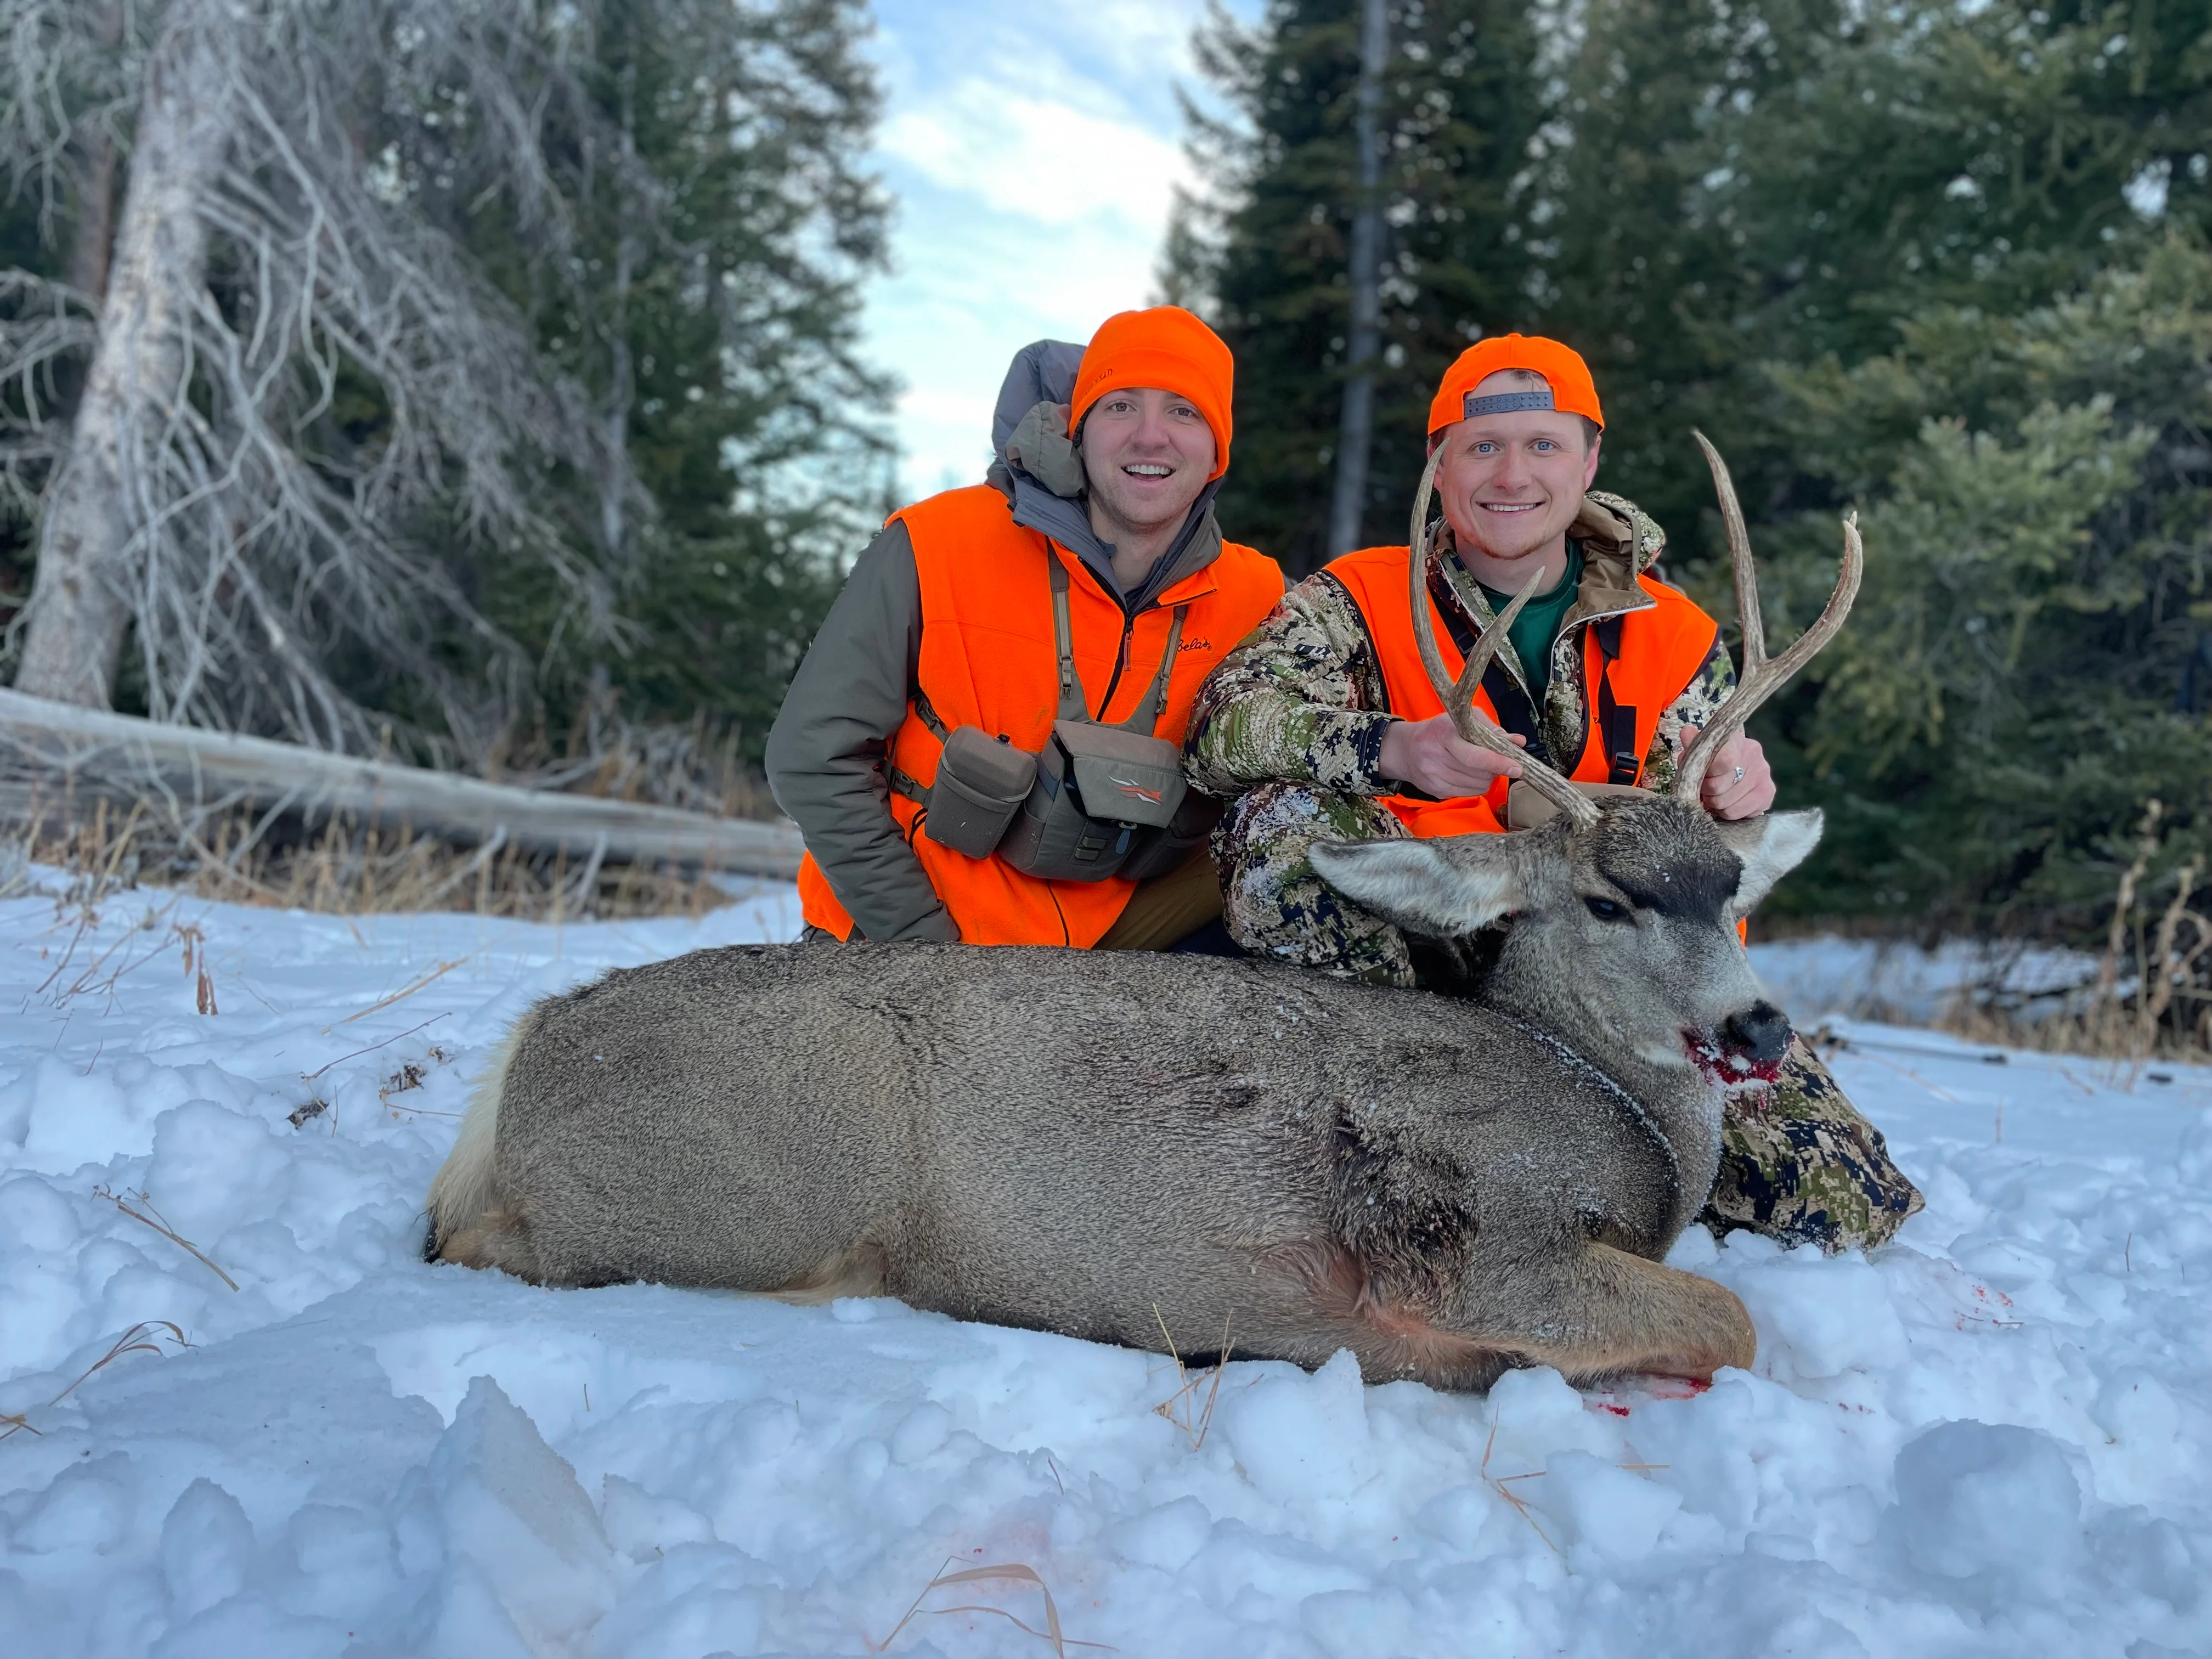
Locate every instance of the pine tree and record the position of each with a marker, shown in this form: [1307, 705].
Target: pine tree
[1641, 260]
[2009, 691]
[1266, 249]
[1943, 264]
[1735, 184]
[724, 348]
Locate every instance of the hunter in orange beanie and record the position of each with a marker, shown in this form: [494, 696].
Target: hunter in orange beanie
[1166, 348]
[1084, 582]
[1571, 390]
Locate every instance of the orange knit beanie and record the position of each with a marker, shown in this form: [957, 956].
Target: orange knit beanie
[1165, 348]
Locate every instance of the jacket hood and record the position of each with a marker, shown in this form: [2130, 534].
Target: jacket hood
[1615, 529]
[1610, 563]
[1043, 373]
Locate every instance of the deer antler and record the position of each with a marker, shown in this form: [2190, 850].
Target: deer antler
[1761, 678]
[1459, 695]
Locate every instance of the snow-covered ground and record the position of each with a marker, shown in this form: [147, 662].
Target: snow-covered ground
[1989, 1438]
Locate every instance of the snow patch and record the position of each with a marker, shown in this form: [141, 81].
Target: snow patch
[1994, 1436]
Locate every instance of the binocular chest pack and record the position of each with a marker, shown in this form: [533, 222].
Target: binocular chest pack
[1100, 800]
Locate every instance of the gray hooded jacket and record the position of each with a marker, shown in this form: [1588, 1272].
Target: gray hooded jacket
[826, 750]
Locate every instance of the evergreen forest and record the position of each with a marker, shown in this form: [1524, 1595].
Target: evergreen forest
[526, 418]
[1944, 265]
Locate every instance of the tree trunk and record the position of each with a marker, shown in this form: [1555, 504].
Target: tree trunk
[140, 372]
[1356, 431]
[124, 756]
[622, 377]
[94, 232]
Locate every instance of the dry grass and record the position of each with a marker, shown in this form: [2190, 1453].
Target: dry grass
[145, 1337]
[1182, 1407]
[340, 866]
[697, 766]
[196, 966]
[1016, 1570]
[2109, 1033]
[2150, 999]
[1502, 1484]
[149, 1216]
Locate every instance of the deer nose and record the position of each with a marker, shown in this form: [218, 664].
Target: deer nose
[1761, 1032]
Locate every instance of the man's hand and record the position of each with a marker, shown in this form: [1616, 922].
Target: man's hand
[1739, 783]
[1434, 758]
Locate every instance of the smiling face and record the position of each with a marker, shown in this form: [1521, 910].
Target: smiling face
[1512, 484]
[1148, 454]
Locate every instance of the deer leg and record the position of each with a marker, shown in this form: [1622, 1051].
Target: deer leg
[1606, 1313]
[1596, 1312]
[499, 1237]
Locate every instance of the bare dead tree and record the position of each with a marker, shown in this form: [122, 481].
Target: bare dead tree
[142, 372]
[64, 94]
[199, 507]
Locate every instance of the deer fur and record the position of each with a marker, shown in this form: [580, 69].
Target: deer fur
[1116, 1144]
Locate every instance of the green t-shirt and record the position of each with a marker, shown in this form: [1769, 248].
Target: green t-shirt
[1537, 627]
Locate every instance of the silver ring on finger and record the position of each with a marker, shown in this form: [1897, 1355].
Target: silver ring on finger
[1738, 774]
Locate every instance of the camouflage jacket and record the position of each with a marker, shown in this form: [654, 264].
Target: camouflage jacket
[1303, 700]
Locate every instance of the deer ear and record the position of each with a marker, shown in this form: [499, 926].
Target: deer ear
[1441, 888]
[1771, 846]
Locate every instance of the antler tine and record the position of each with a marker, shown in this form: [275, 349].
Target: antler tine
[1762, 677]
[1459, 695]
[1749, 614]
[1485, 647]
[1416, 566]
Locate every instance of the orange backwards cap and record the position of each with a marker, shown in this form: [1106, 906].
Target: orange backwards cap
[1165, 348]
[1573, 392]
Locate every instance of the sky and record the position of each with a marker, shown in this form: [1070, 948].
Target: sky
[1034, 149]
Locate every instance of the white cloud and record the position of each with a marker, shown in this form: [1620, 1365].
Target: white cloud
[983, 285]
[1039, 158]
[1034, 151]
[1136, 37]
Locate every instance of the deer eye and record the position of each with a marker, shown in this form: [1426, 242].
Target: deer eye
[1606, 909]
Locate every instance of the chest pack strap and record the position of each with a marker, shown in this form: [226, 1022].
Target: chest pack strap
[1146, 717]
[1616, 721]
[926, 711]
[901, 783]
[1144, 722]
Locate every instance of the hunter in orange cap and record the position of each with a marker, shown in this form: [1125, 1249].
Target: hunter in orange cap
[1326, 725]
[1605, 667]
[928, 746]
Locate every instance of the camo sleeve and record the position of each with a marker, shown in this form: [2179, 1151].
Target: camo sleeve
[1300, 701]
[1708, 689]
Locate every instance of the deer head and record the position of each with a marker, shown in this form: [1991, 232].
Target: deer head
[1623, 936]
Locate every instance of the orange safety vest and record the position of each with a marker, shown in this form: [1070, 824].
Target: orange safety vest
[1663, 643]
[988, 660]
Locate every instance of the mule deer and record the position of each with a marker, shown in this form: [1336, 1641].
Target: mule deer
[1128, 1147]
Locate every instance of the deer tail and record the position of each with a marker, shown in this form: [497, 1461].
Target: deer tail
[464, 1195]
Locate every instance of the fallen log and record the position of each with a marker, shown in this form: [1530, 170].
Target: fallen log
[107, 751]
